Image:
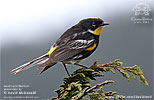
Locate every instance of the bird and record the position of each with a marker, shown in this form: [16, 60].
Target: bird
[75, 44]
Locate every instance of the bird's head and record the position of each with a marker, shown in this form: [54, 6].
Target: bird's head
[93, 25]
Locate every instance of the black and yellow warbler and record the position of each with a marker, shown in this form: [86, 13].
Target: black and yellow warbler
[77, 43]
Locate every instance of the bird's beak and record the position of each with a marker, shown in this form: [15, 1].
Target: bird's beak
[104, 24]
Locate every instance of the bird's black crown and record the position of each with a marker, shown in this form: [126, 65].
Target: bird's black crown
[91, 23]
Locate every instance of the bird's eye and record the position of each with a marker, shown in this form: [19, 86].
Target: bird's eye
[93, 24]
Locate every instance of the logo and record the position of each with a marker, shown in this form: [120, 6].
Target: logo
[142, 13]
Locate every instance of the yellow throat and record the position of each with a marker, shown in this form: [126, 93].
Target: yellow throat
[98, 31]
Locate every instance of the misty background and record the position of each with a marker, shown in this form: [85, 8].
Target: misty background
[28, 28]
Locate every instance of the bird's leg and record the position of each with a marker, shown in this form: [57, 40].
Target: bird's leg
[66, 69]
[81, 65]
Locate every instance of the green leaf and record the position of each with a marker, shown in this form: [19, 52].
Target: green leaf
[78, 84]
[116, 62]
[100, 90]
[124, 73]
[142, 79]
[133, 75]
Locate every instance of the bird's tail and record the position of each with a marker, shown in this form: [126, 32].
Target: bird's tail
[30, 64]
